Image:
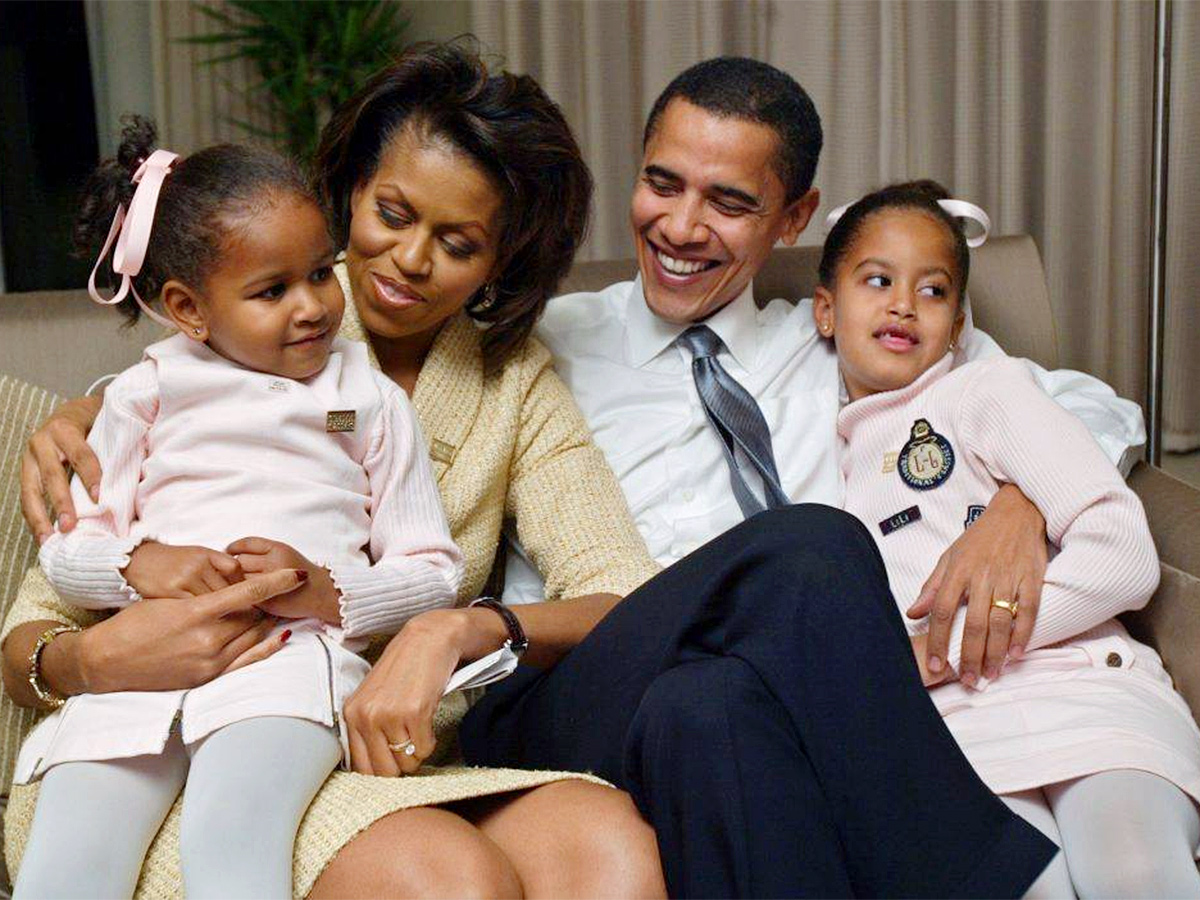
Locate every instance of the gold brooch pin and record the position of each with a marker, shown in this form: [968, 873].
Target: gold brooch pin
[339, 420]
[442, 452]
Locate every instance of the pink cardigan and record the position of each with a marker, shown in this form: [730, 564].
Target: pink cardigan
[1086, 697]
[1002, 429]
[197, 450]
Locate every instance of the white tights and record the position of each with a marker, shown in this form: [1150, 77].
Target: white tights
[247, 789]
[1123, 833]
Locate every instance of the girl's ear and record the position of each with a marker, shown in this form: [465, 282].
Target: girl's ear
[957, 327]
[823, 310]
[183, 308]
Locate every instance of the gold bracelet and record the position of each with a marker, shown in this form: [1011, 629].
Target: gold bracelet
[49, 697]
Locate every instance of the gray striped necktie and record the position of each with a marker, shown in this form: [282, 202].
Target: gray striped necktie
[738, 421]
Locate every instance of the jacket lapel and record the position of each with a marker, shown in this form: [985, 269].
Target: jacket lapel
[449, 388]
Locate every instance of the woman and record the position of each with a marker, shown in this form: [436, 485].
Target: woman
[460, 197]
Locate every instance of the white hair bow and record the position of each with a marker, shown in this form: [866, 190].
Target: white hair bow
[959, 209]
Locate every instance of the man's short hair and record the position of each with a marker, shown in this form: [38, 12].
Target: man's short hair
[748, 89]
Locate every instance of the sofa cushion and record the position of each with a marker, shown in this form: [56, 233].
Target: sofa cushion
[22, 406]
[1170, 623]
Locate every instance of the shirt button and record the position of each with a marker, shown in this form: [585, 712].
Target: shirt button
[1113, 660]
[688, 495]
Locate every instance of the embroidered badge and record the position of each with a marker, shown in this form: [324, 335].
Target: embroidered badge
[974, 511]
[339, 420]
[900, 519]
[442, 452]
[278, 385]
[889, 461]
[927, 459]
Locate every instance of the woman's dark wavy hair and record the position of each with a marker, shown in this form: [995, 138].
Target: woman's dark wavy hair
[509, 126]
[203, 197]
[923, 195]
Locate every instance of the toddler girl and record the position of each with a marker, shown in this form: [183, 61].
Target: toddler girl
[1083, 734]
[252, 440]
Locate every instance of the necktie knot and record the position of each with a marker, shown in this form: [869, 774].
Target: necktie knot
[701, 341]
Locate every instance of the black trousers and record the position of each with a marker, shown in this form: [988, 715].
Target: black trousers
[760, 702]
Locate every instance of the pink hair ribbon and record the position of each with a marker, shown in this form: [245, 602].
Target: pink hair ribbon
[959, 209]
[131, 231]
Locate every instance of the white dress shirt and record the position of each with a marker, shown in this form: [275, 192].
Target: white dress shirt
[635, 387]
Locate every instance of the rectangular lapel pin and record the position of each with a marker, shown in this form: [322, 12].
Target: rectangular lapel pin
[899, 520]
[442, 452]
[889, 461]
[339, 420]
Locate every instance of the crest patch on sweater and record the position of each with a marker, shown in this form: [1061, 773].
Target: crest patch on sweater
[974, 511]
[927, 459]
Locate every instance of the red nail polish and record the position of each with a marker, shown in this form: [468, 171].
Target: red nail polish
[302, 575]
[284, 635]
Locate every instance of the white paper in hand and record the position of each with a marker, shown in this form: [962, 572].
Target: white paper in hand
[484, 670]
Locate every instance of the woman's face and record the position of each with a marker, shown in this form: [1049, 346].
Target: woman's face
[423, 236]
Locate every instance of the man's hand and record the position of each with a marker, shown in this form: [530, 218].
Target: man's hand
[160, 570]
[1002, 556]
[928, 678]
[58, 446]
[318, 597]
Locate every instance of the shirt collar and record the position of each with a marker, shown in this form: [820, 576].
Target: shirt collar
[647, 335]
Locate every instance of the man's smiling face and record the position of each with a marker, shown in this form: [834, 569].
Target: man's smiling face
[707, 209]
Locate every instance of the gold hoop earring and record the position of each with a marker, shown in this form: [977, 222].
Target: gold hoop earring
[489, 297]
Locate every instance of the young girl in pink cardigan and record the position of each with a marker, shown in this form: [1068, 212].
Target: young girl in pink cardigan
[1081, 732]
[253, 439]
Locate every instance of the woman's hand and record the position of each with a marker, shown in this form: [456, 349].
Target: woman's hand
[160, 570]
[58, 446]
[154, 645]
[318, 598]
[1002, 556]
[397, 700]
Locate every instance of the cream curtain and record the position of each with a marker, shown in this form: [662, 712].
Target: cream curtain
[1040, 112]
[140, 65]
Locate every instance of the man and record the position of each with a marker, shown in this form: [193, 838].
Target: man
[758, 698]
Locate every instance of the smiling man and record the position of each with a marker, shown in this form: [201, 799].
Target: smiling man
[759, 698]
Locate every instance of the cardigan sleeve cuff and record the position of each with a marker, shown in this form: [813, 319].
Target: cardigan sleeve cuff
[86, 570]
[379, 599]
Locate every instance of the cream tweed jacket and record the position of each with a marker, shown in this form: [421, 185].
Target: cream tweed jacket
[508, 447]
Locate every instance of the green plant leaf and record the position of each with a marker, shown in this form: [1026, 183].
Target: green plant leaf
[309, 56]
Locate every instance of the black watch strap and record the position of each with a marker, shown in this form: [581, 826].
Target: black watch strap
[517, 642]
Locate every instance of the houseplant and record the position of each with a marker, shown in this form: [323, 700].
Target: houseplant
[310, 56]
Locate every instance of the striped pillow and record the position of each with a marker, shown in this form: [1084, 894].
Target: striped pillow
[21, 407]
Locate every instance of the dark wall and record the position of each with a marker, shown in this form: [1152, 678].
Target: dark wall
[48, 141]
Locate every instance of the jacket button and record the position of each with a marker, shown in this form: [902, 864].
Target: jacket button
[1114, 660]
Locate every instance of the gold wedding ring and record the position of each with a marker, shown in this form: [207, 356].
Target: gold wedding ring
[408, 748]
[1009, 606]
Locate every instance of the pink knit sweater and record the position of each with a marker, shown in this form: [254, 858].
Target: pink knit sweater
[1001, 428]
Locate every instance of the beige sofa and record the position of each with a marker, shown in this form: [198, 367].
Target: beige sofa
[62, 342]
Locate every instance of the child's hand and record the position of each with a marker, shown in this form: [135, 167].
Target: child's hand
[919, 646]
[318, 598]
[160, 570]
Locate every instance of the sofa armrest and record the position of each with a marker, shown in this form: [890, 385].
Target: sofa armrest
[1173, 508]
[1171, 621]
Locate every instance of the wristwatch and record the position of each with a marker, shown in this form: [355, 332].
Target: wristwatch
[49, 697]
[518, 643]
